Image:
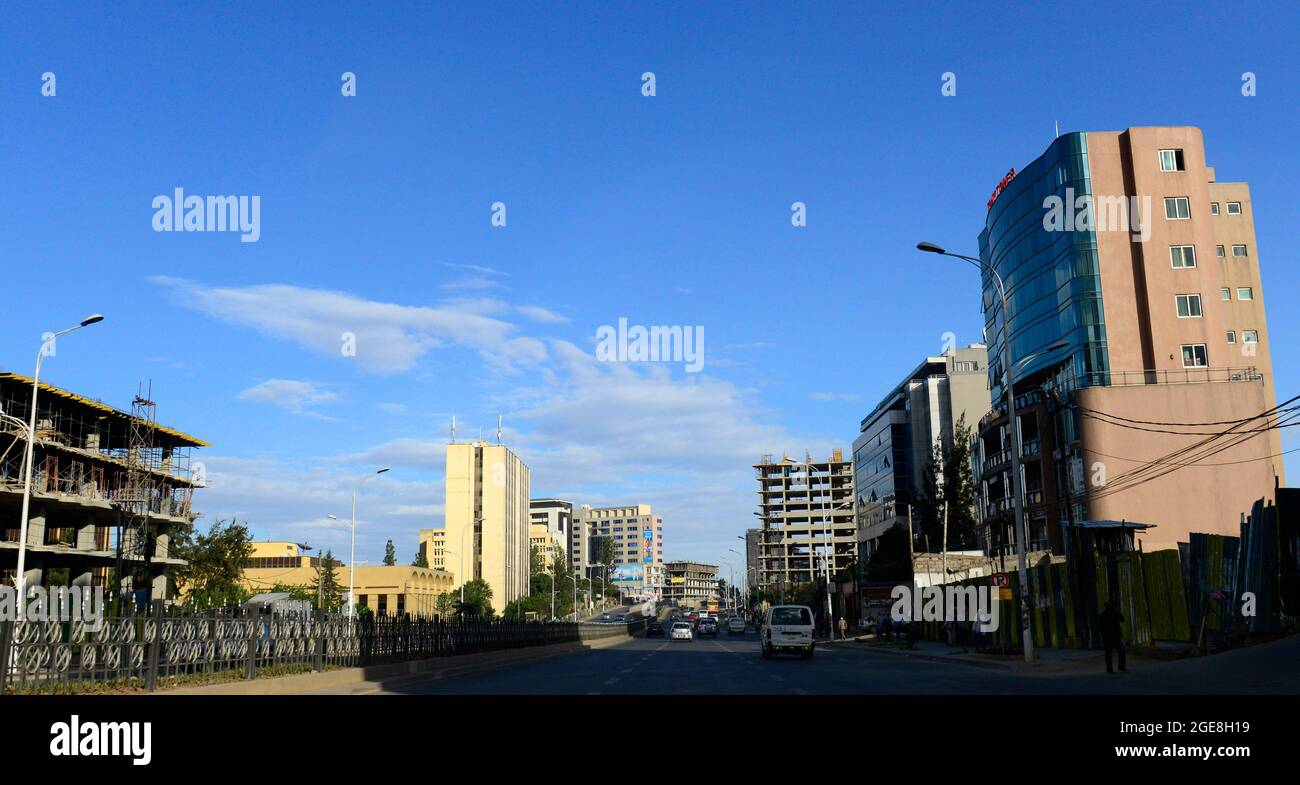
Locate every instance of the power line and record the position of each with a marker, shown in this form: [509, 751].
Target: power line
[1219, 463]
[1278, 408]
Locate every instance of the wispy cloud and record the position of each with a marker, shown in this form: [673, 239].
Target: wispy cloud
[380, 336]
[292, 395]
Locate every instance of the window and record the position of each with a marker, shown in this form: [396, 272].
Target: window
[1234, 208]
[1238, 250]
[1214, 208]
[1182, 255]
[1218, 250]
[1249, 336]
[1232, 336]
[1194, 355]
[1189, 306]
[1177, 208]
[1171, 161]
[1245, 293]
[1225, 293]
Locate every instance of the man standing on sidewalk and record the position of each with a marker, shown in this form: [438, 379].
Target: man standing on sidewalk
[1111, 635]
[844, 627]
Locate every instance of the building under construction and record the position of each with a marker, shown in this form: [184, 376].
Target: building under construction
[806, 517]
[109, 490]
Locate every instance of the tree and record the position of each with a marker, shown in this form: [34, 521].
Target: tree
[946, 495]
[891, 561]
[421, 557]
[478, 600]
[390, 554]
[445, 605]
[214, 563]
[328, 590]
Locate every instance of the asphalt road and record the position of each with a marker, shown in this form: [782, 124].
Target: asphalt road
[732, 665]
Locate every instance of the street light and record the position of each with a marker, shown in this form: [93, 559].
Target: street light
[1023, 572]
[352, 558]
[20, 577]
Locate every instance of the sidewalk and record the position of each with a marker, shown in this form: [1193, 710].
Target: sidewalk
[1047, 661]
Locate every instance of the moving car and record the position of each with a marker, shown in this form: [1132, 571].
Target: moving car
[682, 631]
[654, 630]
[735, 626]
[787, 628]
[708, 627]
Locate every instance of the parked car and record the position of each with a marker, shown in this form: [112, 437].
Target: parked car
[682, 631]
[787, 628]
[654, 630]
[708, 627]
[735, 626]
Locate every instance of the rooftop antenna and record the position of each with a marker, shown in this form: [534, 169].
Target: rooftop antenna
[1058, 127]
[453, 429]
[498, 429]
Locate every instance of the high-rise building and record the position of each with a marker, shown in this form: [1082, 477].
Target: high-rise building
[806, 515]
[1125, 245]
[897, 439]
[487, 518]
[557, 516]
[636, 537]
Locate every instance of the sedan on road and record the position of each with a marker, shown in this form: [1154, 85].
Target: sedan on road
[736, 626]
[682, 631]
[654, 630]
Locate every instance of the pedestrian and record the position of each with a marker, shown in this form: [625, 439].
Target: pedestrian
[844, 628]
[1112, 637]
[888, 627]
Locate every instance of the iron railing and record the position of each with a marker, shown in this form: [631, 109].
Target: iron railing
[165, 646]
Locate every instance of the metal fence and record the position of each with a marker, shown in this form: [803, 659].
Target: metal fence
[162, 646]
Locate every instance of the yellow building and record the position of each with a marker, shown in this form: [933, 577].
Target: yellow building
[487, 518]
[542, 540]
[381, 588]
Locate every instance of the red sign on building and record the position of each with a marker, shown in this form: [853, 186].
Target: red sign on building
[1011, 175]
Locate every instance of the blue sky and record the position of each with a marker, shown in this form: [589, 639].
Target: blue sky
[675, 209]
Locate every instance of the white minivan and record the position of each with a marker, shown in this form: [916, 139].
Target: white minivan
[787, 628]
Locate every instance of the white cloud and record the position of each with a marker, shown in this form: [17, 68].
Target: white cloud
[539, 314]
[288, 394]
[388, 337]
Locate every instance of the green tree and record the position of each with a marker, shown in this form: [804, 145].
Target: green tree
[478, 600]
[421, 557]
[946, 495]
[445, 605]
[327, 591]
[891, 560]
[390, 554]
[214, 563]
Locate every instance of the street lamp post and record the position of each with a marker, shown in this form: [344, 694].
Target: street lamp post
[1027, 637]
[352, 557]
[20, 577]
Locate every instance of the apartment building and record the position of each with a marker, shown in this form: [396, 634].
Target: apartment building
[487, 521]
[1137, 332]
[557, 516]
[806, 518]
[636, 538]
[545, 544]
[896, 441]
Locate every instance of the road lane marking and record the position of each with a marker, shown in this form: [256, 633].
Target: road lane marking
[798, 690]
[612, 680]
[777, 678]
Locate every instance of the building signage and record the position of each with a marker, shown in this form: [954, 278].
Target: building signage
[1011, 175]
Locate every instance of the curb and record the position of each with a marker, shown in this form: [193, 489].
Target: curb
[370, 680]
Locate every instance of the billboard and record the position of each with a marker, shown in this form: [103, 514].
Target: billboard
[628, 574]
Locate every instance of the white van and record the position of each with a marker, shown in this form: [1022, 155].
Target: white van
[787, 628]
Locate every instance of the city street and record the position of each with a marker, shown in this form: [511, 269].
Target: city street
[733, 666]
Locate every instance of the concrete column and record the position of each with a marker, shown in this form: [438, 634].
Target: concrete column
[36, 524]
[35, 572]
[86, 534]
[162, 543]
